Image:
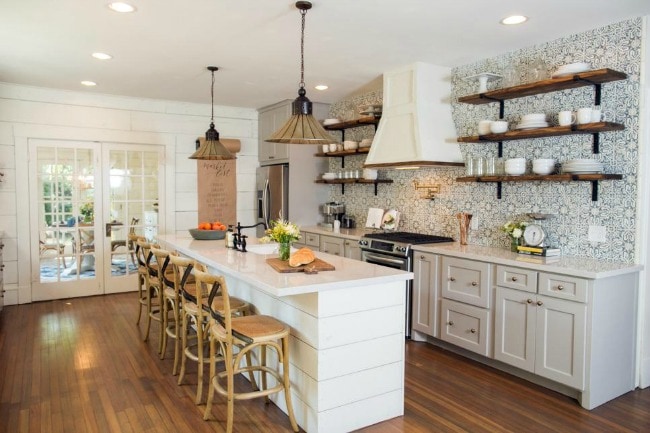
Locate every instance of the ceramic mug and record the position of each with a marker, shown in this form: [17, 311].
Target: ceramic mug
[584, 115]
[332, 147]
[484, 127]
[565, 118]
[326, 148]
[598, 115]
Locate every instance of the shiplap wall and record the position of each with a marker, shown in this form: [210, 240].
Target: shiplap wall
[30, 112]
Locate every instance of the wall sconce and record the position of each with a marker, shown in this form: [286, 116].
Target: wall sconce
[430, 190]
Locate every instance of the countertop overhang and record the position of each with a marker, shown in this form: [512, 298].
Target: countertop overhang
[252, 268]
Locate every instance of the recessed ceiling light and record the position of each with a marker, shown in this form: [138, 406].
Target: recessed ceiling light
[121, 7]
[102, 56]
[88, 83]
[514, 19]
[321, 87]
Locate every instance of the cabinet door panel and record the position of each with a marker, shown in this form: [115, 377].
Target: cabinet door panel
[560, 341]
[466, 281]
[311, 239]
[425, 293]
[514, 328]
[465, 326]
[331, 245]
[352, 249]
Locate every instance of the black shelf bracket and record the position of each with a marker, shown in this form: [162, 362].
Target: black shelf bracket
[501, 109]
[596, 142]
[597, 88]
[500, 149]
[594, 190]
[499, 184]
[376, 188]
[343, 188]
[343, 162]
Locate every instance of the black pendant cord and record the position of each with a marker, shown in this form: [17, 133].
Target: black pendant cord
[303, 13]
[212, 99]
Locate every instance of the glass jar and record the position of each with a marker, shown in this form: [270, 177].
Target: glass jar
[284, 251]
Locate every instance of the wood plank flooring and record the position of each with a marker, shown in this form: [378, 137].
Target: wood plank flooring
[80, 365]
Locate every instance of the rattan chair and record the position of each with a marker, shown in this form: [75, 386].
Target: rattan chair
[142, 271]
[182, 268]
[165, 281]
[195, 313]
[246, 333]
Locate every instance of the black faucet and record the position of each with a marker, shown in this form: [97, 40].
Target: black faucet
[239, 240]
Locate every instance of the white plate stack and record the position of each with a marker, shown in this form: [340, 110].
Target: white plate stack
[532, 121]
[582, 166]
[570, 69]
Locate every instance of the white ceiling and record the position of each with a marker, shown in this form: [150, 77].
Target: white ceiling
[161, 50]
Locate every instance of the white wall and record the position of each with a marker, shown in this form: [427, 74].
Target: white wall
[29, 112]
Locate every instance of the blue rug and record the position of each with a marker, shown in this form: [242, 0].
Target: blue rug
[49, 271]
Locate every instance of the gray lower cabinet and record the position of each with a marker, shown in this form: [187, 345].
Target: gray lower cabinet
[577, 332]
[351, 249]
[424, 317]
[332, 245]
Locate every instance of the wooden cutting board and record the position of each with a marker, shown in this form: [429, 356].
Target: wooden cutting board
[283, 266]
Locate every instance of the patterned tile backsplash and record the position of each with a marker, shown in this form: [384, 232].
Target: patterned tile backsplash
[618, 47]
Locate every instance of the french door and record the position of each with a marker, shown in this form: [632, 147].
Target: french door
[85, 201]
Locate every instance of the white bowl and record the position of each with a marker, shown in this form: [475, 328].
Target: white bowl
[543, 169]
[366, 142]
[329, 176]
[331, 121]
[533, 117]
[350, 145]
[499, 126]
[515, 170]
[369, 173]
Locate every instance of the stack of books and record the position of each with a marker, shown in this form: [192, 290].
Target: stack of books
[538, 251]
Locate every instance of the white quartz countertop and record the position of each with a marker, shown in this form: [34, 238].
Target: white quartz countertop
[354, 234]
[252, 268]
[576, 266]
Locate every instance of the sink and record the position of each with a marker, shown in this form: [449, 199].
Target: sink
[262, 248]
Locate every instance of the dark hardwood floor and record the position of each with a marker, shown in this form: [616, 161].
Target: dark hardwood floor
[80, 365]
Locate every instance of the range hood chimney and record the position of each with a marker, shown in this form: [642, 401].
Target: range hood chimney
[416, 128]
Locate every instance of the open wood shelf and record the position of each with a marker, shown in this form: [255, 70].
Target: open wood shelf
[355, 123]
[581, 79]
[359, 151]
[564, 177]
[551, 131]
[342, 182]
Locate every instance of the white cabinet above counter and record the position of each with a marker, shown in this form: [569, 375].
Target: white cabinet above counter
[566, 323]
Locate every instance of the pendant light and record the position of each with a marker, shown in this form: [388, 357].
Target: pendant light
[301, 128]
[212, 148]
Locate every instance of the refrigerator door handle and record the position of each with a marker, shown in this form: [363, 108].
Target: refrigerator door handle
[265, 202]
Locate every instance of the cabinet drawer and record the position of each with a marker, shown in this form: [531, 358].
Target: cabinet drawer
[517, 278]
[465, 326]
[466, 281]
[563, 286]
[312, 239]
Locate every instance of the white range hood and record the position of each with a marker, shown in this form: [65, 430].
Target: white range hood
[416, 128]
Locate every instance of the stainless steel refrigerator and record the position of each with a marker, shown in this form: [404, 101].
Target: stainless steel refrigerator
[272, 186]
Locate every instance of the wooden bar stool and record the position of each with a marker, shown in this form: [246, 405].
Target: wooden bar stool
[164, 281]
[194, 296]
[142, 270]
[247, 333]
[182, 268]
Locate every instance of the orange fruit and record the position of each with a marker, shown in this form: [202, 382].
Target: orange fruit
[204, 226]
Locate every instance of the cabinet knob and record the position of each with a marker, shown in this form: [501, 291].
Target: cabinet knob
[421, 257]
[560, 287]
[529, 301]
[514, 278]
[474, 283]
[452, 279]
[540, 303]
[336, 254]
[473, 331]
[450, 323]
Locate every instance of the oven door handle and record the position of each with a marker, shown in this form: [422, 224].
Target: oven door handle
[384, 259]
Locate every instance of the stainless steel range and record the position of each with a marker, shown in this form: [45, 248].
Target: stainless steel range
[393, 249]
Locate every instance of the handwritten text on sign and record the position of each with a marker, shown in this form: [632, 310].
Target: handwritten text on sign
[217, 191]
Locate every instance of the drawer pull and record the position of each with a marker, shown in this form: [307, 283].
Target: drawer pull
[473, 331]
[540, 303]
[474, 283]
[560, 287]
[514, 278]
[450, 323]
[421, 257]
[529, 301]
[452, 279]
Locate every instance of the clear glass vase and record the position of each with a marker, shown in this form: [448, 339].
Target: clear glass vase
[284, 250]
[514, 243]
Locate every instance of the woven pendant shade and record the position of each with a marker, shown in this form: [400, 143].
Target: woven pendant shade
[212, 148]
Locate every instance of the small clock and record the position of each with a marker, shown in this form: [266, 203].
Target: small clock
[534, 235]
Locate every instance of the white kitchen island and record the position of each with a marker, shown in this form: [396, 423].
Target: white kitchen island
[347, 331]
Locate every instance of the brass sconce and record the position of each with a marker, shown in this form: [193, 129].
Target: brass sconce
[430, 190]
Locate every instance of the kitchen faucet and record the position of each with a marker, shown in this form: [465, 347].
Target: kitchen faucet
[239, 240]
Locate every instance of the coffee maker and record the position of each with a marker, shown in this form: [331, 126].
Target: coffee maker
[331, 211]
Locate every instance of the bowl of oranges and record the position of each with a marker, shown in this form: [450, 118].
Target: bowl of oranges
[209, 231]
